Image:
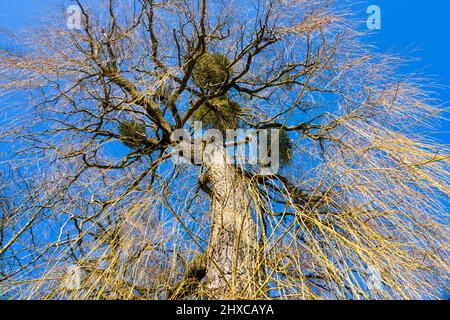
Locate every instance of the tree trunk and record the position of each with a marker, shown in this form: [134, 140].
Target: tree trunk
[233, 266]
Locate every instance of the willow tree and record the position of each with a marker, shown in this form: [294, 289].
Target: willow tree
[357, 208]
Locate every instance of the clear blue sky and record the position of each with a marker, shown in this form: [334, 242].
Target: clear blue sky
[418, 24]
[419, 30]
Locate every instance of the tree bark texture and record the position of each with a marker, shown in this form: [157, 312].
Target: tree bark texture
[233, 266]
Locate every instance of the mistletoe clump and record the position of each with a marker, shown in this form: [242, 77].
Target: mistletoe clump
[284, 148]
[219, 113]
[132, 134]
[211, 71]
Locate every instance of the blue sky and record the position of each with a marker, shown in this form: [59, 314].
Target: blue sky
[419, 30]
[420, 24]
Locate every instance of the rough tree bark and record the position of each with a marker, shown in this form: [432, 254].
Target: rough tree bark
[233, 267]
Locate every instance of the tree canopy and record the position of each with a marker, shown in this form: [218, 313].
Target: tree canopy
[361, 193]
